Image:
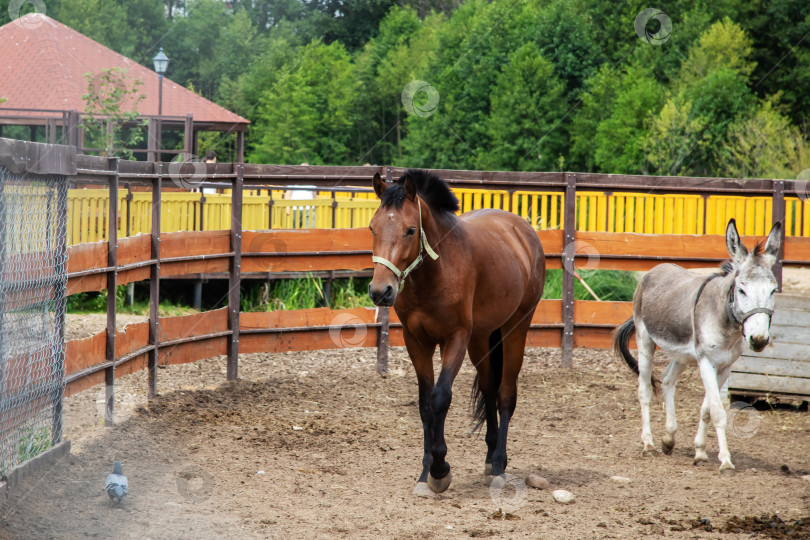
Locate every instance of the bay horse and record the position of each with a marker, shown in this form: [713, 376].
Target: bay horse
[700, 319]
[467, 284]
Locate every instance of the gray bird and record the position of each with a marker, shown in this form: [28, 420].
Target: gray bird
[117, 485]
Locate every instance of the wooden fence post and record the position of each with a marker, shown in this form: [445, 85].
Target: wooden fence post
[383, 316]
[112, 274]
[778, 215]
[154, 284]
[569, 249]
[234, 281]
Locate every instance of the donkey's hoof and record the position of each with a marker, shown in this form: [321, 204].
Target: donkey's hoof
[422, 490]
[667, 446]
[728, 472]
[487, 469]
[440, 485]
[700, 457]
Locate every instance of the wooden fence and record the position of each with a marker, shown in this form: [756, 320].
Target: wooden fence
[88, 219]
[557, 323]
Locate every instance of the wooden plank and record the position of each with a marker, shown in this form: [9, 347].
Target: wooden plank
[132, 365]
[768, 383]
[306, 240]
[792, 301]
[306, 341]
[772, 366]
[306, 317]
[798, 352]
[134, 249]
[83, 353]
[134, 275]
[193, 351]
[199, 324]
[179, 268]
[95, 282]
[185, 244]
[88, 256]
[307, 263]
[84, 383]
[783, 333]
[131, 338]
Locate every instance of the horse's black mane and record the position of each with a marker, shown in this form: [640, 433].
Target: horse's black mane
[432, 189]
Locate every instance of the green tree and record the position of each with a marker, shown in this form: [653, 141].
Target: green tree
[308, 115]
[523, 123]
[111, 101]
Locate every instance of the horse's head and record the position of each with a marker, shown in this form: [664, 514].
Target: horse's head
[751, 299]
[396, 231]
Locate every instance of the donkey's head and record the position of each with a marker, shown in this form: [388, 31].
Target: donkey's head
[751, 298]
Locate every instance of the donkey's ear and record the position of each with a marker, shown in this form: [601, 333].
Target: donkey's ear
[773, 244]
[379, 185]
[735, 246]
[409, 188]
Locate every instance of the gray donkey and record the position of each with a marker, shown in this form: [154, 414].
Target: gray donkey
[701, 319]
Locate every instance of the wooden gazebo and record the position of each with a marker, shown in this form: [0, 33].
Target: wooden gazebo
[42, 80]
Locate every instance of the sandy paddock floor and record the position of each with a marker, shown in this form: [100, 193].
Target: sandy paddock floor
[316, 445]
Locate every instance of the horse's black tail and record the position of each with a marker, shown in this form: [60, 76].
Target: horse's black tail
[621, 336]
[477, 401]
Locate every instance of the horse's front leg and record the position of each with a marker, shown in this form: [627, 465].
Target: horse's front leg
[422, 359]
[453, 351]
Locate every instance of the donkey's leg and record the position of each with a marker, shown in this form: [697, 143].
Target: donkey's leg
[422, 359]
[514, 343]
[726, 466]
[479, 355]
[646, 350]
[717, 412]
[674, 370]
[700, 437]
[453, 351]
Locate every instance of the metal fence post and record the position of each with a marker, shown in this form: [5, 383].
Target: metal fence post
[112, 263]
[154, 284]
[234, 281]
[569, 249]
[778, 215]
[59, 303]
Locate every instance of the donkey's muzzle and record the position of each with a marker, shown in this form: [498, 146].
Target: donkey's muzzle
[382, 296]
[758, 343]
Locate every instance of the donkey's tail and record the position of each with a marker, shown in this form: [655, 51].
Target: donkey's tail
[478, 404]
[621, 336]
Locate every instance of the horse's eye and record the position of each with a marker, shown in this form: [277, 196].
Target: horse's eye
[411, 231]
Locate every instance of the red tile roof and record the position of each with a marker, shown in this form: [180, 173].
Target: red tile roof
[43, 62]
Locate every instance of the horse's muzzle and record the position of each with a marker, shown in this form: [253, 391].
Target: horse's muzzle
[383, 296]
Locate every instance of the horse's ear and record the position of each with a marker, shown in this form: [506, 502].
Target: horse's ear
[409, 188]
[735, 246]
[379, 185]
[773, 244]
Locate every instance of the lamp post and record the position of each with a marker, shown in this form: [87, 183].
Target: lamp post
[161, 62]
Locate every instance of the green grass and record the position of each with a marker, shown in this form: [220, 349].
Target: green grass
[33, 443]
[306, 293]
[613, 285]
[96, 302]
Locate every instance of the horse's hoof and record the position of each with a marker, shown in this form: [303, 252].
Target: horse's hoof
[487, 469]
[422, 490]
[440, 485]
[666, 447]
[728, 472]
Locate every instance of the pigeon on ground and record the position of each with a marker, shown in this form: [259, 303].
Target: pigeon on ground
[116, 485]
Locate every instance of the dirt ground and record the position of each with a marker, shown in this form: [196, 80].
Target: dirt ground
[316, 445]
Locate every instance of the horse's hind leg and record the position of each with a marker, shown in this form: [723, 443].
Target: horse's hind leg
[674, 370]
[514, 343]
[488, 388]
[646, 350]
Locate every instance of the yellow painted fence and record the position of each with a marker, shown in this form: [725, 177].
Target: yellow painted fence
[618, 212]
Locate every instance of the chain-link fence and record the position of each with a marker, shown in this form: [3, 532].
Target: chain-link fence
[33, 277]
